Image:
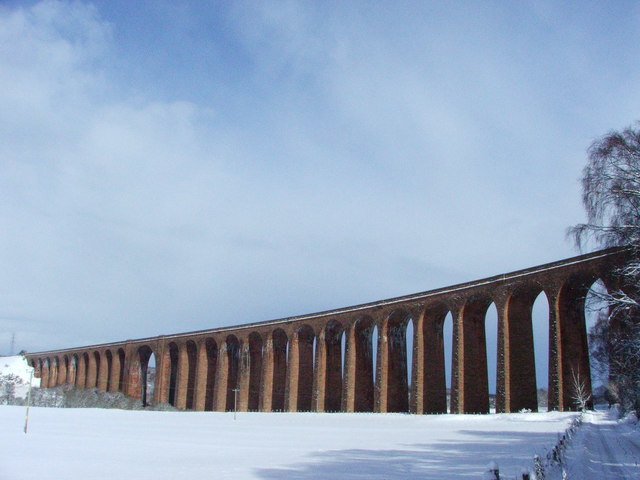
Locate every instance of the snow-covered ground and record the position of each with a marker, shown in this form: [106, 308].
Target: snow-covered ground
[99, 443]
[605, 448]
[69, 443]
[17, 365]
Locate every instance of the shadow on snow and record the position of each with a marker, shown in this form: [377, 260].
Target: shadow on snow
[463, 459]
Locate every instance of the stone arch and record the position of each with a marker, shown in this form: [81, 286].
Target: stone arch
[541, 324]
[32, 363]
[83, 377]
[44, 376]
[111, 362]
[434, 384]
[280, 347]
[409, 338]
[36, 364]
[119, 366]
[210, 350]
[597, 309]
[51, 367]
[376, 335]
[363, 393]
[571, 342]
[397, 388]
[605, 379]
[139, 376]
[102, 371]
[108, 358]
[331, 337]
[233, 364]
[53, 372]
[190, 357]
[519, 365]
[449, 354]
[254, 365]
[474, 396]
[494, 347]
[72, 373]
[63, 370]
[93, 370]
[46, 370]
[172, 357]
[304, 394]
[343, 358]
[59, 369]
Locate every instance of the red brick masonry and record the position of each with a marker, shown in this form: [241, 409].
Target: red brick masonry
[295, 364]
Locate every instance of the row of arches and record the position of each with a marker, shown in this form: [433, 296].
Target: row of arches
[103, 370]
[392, 357]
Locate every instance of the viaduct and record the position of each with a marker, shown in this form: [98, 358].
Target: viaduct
[324, 362]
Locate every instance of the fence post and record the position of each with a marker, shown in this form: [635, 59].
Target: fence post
[538, 467]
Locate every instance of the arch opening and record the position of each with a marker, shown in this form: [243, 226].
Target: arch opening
[95, 374]
[434, 387]
[333, 339]
[596, 317]
[53, 372]
[109, 370]
[120, 383]
[475, 381]
[375, 338]
[280, 344]
[447, 340]
[540, 311]
[211, 349]
[255, 371]
[306, 355]
[145, 376]
[343, 353]
[364, 365]
[397, 385]
[571, 368]
[491, 338]
[44, 381]
[233, 356]
[192, 360]
[408, 340]
[64, 370]
[86, 370]
[173, 373]
[73, 365]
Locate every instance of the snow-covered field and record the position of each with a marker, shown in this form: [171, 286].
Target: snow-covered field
[84, 443]
[97, 443]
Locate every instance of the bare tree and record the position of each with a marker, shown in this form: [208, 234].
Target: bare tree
[615, 349]
[611, 197]
[8, 384]
[611, 191]
[581, 394]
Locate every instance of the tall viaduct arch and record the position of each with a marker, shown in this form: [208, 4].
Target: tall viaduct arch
[325, 361]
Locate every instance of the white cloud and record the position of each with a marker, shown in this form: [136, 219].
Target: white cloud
[365, 153]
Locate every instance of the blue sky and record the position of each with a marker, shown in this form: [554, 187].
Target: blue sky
[170, 167]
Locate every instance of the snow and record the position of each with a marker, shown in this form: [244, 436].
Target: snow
[101, 443]
[17, 365]
[605, 448]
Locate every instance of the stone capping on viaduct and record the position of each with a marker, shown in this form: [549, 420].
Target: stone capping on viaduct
[325, 361]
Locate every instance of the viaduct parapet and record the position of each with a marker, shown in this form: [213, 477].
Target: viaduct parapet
[324, 362]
